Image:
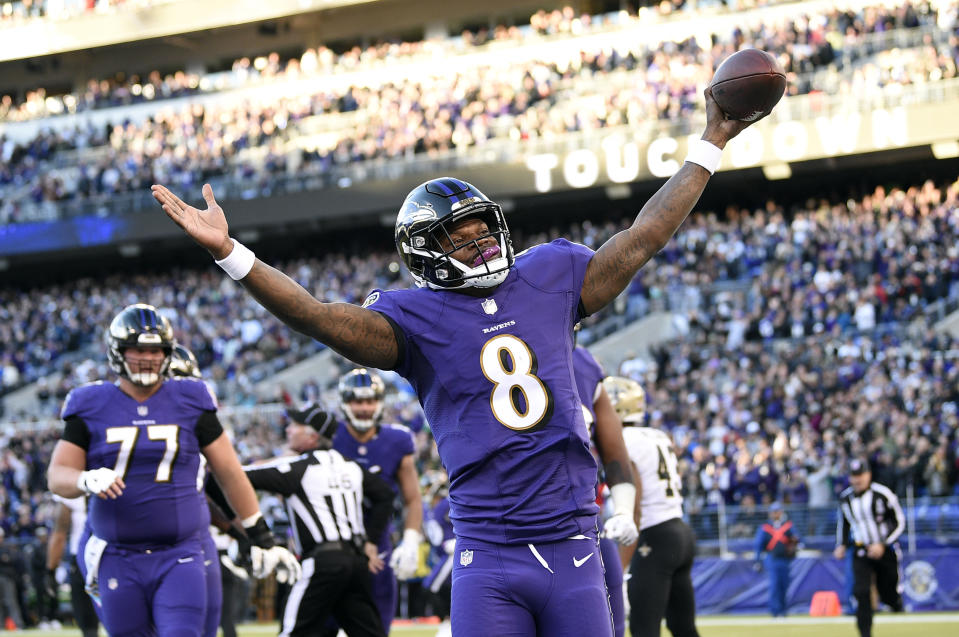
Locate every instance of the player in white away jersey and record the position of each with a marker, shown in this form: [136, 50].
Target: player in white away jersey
[660, 584]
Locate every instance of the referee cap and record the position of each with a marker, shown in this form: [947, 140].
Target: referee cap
[858, 466]
[315, 416]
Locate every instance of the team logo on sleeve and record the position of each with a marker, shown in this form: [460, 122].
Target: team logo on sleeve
[371, 299]
[466, 557]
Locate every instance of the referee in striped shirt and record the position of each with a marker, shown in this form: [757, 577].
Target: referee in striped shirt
[871, 521]
[324, 495]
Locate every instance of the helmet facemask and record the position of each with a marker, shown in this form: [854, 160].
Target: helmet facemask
[424, 242]
[137, 326]
[360, 384]
[362, 424]
[489, 268]
[146, 375]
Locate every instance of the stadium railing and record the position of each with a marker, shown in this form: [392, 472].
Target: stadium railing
[730, 530]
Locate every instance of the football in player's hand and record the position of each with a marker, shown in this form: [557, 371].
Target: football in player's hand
[748, 84]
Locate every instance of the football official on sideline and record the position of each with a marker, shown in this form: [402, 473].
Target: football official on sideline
[871, 520]
[324, 495]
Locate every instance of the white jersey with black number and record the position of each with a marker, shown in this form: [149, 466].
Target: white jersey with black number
[652, 452]
[78, 517]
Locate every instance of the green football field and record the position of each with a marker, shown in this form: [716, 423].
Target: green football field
[907, 625]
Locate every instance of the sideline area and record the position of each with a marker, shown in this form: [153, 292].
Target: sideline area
[886, 625]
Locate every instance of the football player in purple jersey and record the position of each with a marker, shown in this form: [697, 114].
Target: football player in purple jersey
[486, 340]
[386, 450]
[136, 445]
[606, 433]
[439, 532]
[183, 364]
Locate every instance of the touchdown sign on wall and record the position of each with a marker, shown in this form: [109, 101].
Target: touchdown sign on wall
[617, 158]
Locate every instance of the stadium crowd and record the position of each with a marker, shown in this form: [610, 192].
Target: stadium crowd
[797, 352]
[822, 268]
[805, 341]
[784, 376]
[15, 12]
[805, 42]
[258, 139]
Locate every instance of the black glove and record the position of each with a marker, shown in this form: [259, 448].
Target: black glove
[50, 585]
[242, 557]
[261, 535]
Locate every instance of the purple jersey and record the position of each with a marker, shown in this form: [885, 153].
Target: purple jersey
[439, 530]
[153, 446]
[589, 374]
[382, 454]
[437, 524]
[495, 378]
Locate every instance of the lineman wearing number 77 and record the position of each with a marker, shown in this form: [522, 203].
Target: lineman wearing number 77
[135, 445]
[486, 340]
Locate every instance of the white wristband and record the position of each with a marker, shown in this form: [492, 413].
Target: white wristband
[239, 262]
[704, 154]
[624, 499]
[253, 519]
[412, 536]
[82, 483]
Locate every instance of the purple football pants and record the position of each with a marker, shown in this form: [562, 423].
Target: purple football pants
[552, 589]
[214, 587]
[614, 584]
[143, 594]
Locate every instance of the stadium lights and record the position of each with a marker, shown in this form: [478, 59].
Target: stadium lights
[129, 250]
[945, 150]
[618, 191]
[775, 172]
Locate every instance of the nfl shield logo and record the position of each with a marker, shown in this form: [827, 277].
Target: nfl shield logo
[466, 557]
[489, 306]
[143, 410]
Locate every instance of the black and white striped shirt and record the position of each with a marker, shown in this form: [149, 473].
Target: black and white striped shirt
[324, 495]
[871, 517]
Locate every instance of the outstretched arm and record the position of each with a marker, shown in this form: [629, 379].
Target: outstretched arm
[361, 335]
[617, 261]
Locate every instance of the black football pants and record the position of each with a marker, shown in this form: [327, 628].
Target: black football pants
[660, 584]
[886, 572]
[334, 584]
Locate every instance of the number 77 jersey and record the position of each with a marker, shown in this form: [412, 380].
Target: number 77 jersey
[154, 446]
[652, 452]
[495, 378]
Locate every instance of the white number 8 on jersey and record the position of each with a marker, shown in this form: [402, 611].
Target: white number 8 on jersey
[510, 365]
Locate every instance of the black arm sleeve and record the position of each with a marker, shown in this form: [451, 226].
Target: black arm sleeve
[400, 341]
[280, 476]
[208, 428]
[75, 430]
[380, 497]
[215, 495]
[581, 310]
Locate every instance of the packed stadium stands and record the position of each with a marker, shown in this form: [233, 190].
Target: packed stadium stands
[808, 317]
[283, 127]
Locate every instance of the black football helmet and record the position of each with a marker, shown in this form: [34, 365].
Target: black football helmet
[183, 363]
[428, 213]
[139, 325]
[360, 384]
